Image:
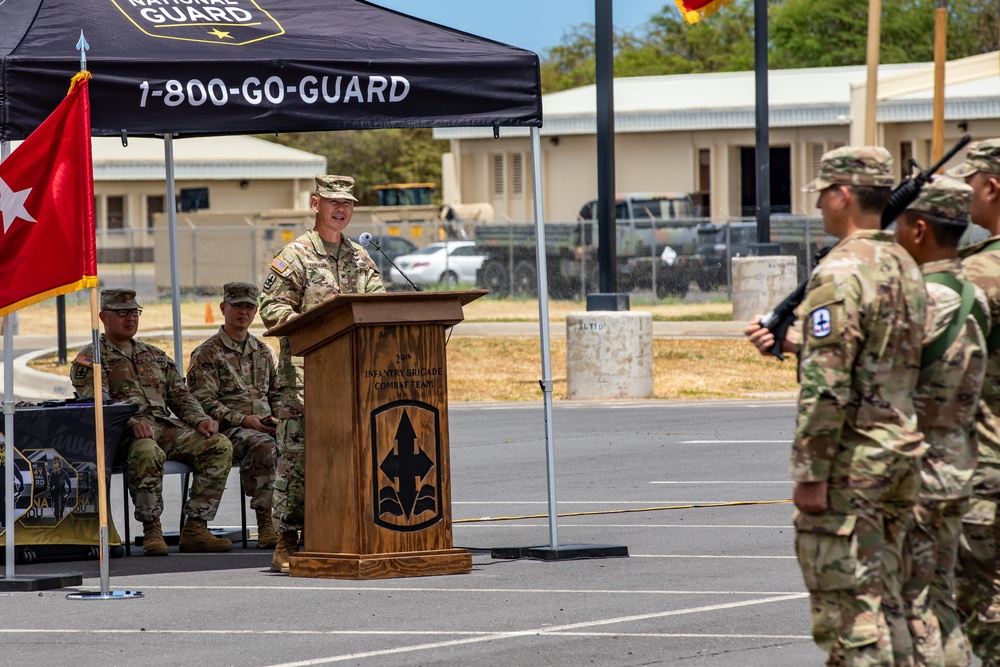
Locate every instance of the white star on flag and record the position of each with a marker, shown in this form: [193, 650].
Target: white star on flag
[12, 205]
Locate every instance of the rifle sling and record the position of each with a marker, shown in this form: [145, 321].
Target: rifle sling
[937, 347]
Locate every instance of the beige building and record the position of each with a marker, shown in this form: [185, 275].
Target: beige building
[695, 133]
[212, 174]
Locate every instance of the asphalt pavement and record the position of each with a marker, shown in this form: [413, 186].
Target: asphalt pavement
[688, 487]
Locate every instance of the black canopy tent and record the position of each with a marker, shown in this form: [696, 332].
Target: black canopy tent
[207, 67]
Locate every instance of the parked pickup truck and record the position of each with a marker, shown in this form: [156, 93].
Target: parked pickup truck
[646, 225]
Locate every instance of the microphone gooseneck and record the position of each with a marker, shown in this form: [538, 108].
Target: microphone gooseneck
[366, 240]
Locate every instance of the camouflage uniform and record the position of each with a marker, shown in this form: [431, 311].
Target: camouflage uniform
[306, 274]
[145, 376]
[859, 359]
[978, 571]
[232, 381]
[947, 400]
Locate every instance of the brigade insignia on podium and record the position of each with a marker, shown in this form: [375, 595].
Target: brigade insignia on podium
[406, 448]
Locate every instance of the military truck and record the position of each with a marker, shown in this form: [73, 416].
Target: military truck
[656, 234]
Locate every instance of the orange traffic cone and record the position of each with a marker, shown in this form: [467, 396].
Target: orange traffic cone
[208, 314]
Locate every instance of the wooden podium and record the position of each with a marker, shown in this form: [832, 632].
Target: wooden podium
[378, 484]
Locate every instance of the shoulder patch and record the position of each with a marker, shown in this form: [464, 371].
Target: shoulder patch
[80, 371]
[270, 281]
[279, 265]
[84, 360]
[821, 322]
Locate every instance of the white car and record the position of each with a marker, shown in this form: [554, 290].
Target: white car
[447, 264]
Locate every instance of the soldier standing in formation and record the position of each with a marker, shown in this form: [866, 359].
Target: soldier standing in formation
[143, 375]
[854, 457]
[306, 273]
[953, 366]
[978, 566]
[233, 376]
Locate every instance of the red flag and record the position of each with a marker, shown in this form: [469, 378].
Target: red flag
[696, 10]
[47, 245]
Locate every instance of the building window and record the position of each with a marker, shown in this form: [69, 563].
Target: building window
[905, 155]
[498, 184]
[154, 205]
[704, 200]
[194, 199]
[517, 174]
[115, 212]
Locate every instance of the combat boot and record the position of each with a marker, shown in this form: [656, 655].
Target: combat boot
[267, 536]
[288, 544]
[152, 540]
[196, 538]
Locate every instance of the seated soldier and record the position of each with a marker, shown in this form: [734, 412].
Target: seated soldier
[140, 374]
[233, 376]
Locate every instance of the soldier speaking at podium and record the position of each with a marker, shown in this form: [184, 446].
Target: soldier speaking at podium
[307, 272]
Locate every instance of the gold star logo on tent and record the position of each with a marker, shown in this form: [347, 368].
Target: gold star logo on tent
[12, 205]
[221, 34]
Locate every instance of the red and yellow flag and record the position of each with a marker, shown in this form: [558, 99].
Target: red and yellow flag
[47, 245]
[696, 10]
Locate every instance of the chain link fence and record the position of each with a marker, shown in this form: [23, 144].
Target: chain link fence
[656, 259]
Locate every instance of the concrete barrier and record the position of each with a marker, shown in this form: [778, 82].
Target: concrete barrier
[760, 283]
[609, 355]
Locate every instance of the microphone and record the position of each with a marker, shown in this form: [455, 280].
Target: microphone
[365, 239]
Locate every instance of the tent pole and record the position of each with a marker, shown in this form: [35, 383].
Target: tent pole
[8, 424]
[175, 288]
[543, 323]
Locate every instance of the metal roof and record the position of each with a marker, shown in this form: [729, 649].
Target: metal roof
[201, 158]
[725, 100]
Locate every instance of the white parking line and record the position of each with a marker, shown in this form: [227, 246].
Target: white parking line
[735, 442]
[534, 632]
[711, 556]
[563, 524]
[474, 591]
[717, 482]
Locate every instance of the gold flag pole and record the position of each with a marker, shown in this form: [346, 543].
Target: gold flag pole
[871, 90]
[940, 58]
[102, 481]
[102, 477]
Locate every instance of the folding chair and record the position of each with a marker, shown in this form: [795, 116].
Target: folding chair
[176, 468]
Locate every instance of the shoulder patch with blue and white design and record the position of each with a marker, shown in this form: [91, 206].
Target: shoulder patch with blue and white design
[821, 322]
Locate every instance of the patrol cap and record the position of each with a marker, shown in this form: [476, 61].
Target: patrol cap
[854, 165]
[118, 299]
[334, 187]
[239, 293]
[945, 198]
[982, 156]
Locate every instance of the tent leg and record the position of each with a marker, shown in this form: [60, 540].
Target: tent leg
[554, 551]
[175, 287]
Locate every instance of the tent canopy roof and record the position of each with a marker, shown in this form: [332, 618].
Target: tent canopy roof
[196, 67]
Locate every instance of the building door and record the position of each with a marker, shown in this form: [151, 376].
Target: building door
[781, 180]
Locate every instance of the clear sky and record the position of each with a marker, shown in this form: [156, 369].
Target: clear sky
[532, 24]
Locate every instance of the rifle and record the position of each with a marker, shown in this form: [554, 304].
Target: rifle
[783, 315]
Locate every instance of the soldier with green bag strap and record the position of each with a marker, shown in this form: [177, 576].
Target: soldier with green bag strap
[978, 567]
[921, 610]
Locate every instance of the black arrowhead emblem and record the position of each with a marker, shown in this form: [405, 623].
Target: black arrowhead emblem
[407, 465]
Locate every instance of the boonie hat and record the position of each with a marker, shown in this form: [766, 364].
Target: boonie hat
[982, 156]
[945, 198]
[118, 299]
[239, 293]
[334, 187]
[854, 165]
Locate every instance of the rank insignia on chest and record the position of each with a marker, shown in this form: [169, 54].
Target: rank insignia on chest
[279, 265]
[821, 322]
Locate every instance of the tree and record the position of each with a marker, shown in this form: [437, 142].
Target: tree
[374, 157]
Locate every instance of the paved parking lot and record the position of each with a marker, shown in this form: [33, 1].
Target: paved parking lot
[706, 586]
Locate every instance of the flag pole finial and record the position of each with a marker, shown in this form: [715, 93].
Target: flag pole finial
[82, 47]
